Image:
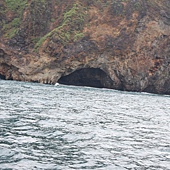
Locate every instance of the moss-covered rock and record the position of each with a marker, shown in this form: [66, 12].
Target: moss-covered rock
[70, 29]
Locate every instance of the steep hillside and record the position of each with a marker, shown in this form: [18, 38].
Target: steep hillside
[119, 44]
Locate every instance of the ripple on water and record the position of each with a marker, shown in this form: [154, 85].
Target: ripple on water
[60, 127]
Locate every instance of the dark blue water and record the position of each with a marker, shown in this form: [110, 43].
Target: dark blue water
[67, 128]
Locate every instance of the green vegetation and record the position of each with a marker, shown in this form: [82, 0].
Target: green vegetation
[137, 5]
[16, 7]
[78, 36]
[71, 28]
[117, 8]
[11, 28]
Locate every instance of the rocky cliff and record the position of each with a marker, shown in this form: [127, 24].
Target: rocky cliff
[119, 44]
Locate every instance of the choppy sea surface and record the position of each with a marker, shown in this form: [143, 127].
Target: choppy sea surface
[75, 128]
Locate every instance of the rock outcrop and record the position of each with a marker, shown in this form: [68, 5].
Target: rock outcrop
[118, 44]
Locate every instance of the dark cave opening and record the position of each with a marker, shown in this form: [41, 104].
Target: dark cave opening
[2, 77]
[91, 77]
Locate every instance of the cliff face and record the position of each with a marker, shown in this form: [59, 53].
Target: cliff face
[119, 44]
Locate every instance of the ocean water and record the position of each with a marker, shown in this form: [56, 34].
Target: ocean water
[75, 128]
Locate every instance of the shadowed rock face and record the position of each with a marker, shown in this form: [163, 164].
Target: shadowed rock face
[120, 44]
[92, 77]
[2, 77]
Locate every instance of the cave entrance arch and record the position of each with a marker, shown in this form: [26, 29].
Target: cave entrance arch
[91, 77]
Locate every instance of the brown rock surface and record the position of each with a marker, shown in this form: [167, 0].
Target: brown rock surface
[119, 44]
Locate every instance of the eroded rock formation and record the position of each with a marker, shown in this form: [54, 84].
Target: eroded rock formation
[119, 44]
[92, 77]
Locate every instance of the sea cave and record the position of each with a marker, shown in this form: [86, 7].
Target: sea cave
[90, 77]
